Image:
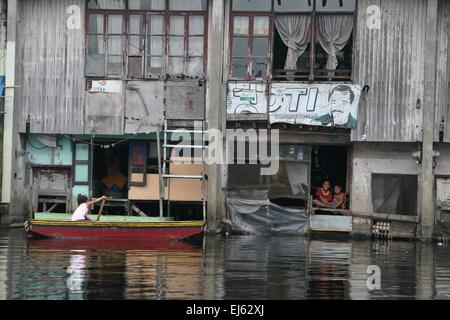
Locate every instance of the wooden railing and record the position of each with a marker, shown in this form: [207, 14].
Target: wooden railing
[373, 215]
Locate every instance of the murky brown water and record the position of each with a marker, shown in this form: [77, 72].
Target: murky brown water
[222, 268]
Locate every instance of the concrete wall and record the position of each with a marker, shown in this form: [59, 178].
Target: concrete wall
[382, 158]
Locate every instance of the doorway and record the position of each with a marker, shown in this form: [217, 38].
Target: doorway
[110, 170]
[329, 163]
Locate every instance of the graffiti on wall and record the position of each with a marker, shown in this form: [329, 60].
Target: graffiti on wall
[306, 104]
[246, 98]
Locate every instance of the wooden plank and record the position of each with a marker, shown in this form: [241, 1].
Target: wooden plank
[329, 223]
[138, 211]
[376, 215]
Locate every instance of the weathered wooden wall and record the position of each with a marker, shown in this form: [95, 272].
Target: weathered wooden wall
[391, 61]
[51, 93]
[443, 72]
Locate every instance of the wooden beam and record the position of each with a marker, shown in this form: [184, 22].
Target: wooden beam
[138, 211]
[52, 207]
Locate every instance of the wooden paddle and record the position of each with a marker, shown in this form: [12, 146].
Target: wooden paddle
[101, 210]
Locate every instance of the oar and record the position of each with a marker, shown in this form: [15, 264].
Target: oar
[101, 210]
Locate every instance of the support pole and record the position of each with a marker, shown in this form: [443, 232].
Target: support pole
[9, 130]
[427, 220]
[161, 180]
[214, 103]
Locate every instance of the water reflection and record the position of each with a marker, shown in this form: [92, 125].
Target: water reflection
[238, 267]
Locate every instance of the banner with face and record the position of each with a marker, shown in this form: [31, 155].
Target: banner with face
[332, 105]
[320, 104]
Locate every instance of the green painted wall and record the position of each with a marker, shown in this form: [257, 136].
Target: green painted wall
[38, 153]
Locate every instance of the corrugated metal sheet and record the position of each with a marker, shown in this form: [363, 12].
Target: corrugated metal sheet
[51, 67]
[391, 61]
[443, 71]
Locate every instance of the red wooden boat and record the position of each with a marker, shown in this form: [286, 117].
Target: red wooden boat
[112, 227]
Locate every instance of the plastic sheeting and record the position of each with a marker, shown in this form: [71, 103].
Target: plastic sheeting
[252, 212]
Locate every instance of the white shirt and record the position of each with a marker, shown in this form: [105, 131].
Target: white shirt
[80, 213]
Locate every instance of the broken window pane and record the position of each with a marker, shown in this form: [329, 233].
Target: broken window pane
[252, 5]
[134, 45]
[95, 59]
[195, 67]
[260, 52]
[188, 5]
[175, 65]
[293, 5]
[176, 46]
[95, 23]
[146, 4]
[106, 4]
[335, 5]
[195, 46]
[239, 63]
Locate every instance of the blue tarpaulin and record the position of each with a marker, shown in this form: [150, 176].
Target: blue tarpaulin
[2, 86]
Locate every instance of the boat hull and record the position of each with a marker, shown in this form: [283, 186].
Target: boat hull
[118, 230]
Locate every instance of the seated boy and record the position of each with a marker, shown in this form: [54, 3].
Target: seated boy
[81, 212]
[340, 198]
[323, 196]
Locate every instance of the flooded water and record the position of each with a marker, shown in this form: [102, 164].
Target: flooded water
[244, 267]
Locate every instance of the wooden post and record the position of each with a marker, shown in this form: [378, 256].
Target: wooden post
[101, 210]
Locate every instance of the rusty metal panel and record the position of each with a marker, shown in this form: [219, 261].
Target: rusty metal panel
[391, 61]
[52, 181]
[105, 108]
[144, 106]
[443, 72]
[185, 100]
[50, 66]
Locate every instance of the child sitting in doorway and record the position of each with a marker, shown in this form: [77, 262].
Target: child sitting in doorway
[81, 212]
[323, 196]
[339, 198]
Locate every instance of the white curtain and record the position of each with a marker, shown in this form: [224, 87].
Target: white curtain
[335, 31]
[295, 33]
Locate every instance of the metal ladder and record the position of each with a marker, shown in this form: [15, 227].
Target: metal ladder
[162, 163]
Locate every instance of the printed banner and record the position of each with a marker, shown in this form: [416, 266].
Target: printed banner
[297, 103]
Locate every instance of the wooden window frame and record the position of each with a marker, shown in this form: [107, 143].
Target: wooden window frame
[166, 14]
[81, 162]
[313, 74]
